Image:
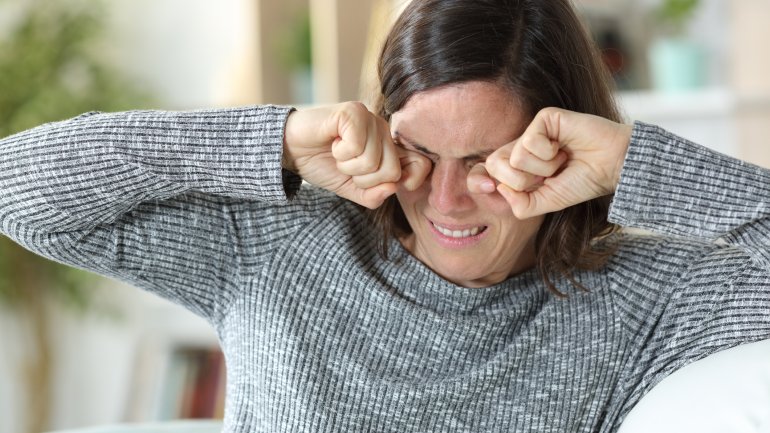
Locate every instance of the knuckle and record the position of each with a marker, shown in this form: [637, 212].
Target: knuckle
[368, 165]
[548, 111]
[497, 161]
[525, 141]
[352, 114]
[529, 143]
[519, 181]
[356, 110]
[554, 166]
[517, 159]
[345, 150]
[354, 107]
[391, 173]
[360, 182]
[343, 168]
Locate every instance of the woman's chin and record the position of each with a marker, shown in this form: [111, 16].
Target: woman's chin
[469, 276]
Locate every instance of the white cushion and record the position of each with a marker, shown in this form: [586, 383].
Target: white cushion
[727, 392]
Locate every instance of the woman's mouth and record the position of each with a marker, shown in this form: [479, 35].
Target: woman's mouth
[457, 233]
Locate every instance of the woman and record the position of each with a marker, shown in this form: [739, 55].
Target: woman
[499, 298]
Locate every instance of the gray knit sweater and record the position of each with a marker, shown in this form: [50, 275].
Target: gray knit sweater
[320, 334]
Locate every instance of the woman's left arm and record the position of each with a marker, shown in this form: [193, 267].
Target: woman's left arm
[661, 182]
[720, 298]
[680, 301]
[673, 186]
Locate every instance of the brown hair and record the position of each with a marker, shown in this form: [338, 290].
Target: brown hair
[539, 51]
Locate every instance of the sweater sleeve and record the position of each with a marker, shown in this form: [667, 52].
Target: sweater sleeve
[674, 187]
[709, 289]
[167, 201]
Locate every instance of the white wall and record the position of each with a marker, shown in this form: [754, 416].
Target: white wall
[190, 53]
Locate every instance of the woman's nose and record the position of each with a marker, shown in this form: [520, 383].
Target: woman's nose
[448, 189]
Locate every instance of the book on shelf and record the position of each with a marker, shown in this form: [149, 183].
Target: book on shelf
[194, 384]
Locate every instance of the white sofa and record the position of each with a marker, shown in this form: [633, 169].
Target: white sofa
[727, 392]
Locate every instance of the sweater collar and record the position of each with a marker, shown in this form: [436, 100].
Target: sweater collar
[414, 282]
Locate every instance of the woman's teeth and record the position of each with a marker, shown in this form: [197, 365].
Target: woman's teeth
[458, 233]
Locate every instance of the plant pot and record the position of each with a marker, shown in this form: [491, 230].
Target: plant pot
[677, 65]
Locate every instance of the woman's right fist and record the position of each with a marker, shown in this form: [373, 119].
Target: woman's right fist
[348, 150]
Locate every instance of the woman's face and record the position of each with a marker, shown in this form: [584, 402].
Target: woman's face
[472, 240]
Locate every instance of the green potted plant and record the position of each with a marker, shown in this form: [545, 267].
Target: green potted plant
[50, 69]
[677, 62]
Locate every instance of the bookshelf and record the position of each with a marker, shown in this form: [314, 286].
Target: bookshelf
[193, 384]
[178, 368]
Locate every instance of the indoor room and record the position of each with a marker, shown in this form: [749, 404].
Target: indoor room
[91, 354]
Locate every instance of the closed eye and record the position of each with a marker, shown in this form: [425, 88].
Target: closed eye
[429, 155]
[470, 162]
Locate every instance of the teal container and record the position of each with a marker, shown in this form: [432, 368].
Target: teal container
[677, 65]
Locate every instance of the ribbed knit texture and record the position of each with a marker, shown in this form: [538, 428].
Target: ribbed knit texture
[322, 335]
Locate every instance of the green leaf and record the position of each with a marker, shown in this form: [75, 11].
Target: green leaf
[674, 14]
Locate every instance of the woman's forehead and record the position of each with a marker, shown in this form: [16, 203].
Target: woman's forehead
[474, 116]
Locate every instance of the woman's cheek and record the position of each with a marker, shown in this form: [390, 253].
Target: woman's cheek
[409, 201]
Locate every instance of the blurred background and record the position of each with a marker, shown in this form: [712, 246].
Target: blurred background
[78, 350]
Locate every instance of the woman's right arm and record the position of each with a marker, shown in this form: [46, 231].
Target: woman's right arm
[183, 204]
[90, 170]
[158, 199]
